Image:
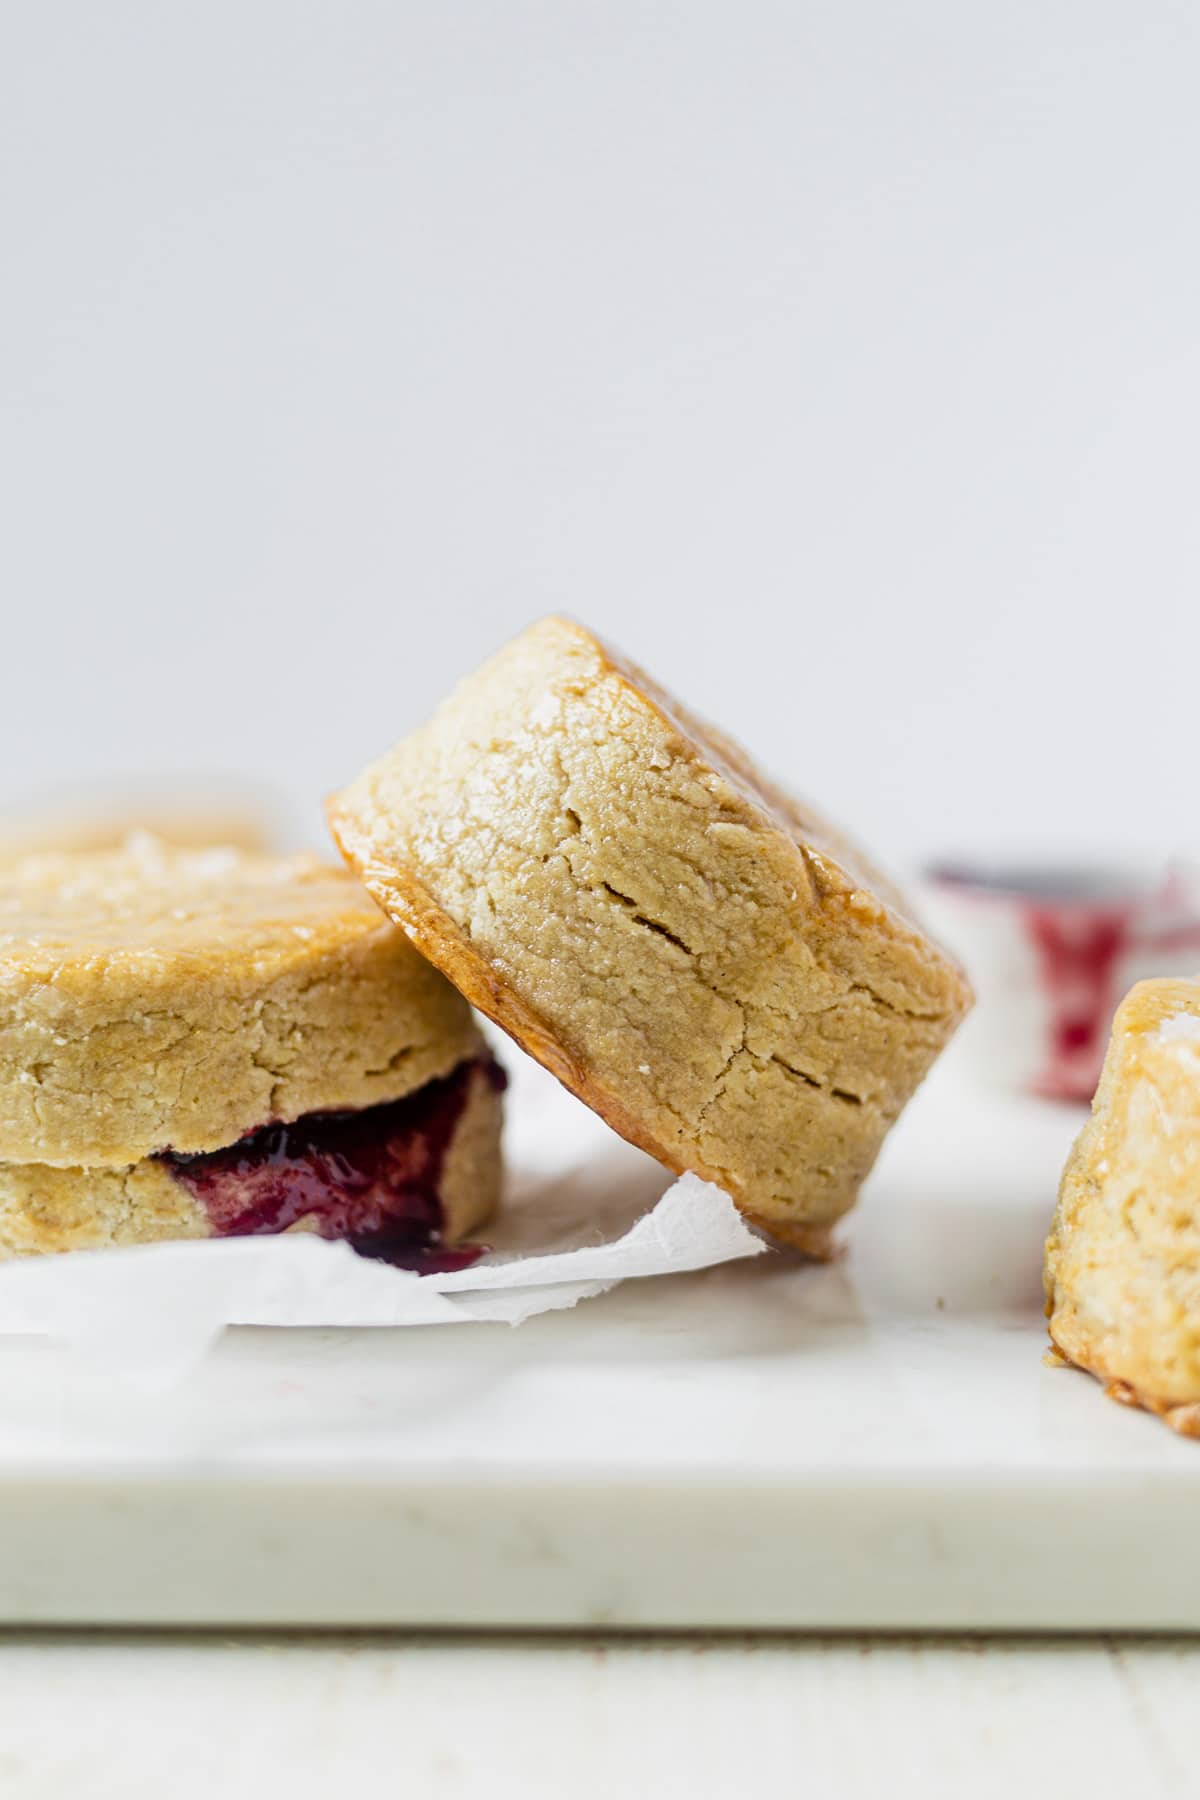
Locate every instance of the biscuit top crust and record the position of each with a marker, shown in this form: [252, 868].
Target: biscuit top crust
[155, 998]
[700, 957]
[155, 908]
[1164, 1006]
[554, 665]
[1154, 1050]
[1151, 1075]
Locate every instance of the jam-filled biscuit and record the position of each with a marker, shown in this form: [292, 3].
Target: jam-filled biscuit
[1123, 1256]
[690, 950]
[210, 1043]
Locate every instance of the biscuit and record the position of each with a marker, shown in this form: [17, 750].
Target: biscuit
[201, 1044]
[703, 960]
[1123, 1256]
[156, 999]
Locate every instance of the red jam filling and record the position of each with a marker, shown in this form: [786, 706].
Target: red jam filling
[371, 1177]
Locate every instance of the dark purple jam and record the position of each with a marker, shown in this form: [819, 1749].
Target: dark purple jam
[371, 1177]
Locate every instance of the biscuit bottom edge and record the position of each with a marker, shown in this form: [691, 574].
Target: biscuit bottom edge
[402, 1182]
[1183, 1416]
[816, 1242]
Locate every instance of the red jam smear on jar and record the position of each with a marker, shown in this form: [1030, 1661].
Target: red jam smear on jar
[371, 1178]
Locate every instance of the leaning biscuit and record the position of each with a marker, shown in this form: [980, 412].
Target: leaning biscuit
[693, 953]
[212, 1043]
[1123, 1256]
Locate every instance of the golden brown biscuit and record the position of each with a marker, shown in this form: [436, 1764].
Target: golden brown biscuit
[699, 957]
[155, 999]
[1123, 1256]
[215, 1044]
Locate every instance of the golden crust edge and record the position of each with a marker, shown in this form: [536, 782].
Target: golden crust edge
[1183, 1416]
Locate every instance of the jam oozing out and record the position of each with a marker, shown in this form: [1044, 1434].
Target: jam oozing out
[371, 1177]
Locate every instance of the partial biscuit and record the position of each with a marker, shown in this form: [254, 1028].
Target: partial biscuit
[1123, 1256]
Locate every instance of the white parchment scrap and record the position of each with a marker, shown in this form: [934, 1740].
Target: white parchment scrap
[153, 1311]
[583, 1211]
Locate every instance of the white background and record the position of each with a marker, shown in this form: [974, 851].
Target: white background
[841, 361]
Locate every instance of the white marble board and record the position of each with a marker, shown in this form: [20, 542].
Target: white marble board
[873, 1445]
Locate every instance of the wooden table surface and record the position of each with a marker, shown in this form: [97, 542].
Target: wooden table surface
[91, 1716]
